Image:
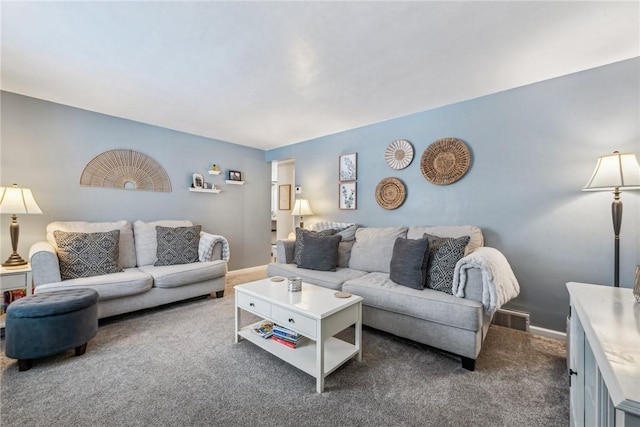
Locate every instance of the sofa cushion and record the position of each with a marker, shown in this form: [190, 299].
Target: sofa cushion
[173, 276]
[145, 238]
[177, 245]
[409, 262]
[87, 254]
[349, 233]
[379, 291]
[444, 253]
[476, 239]
[373, 248]
[320, 252]
[126, 248]
[131, 281]
[327, 279]
[301, 233]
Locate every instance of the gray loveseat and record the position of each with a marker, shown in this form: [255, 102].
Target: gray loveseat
[452, 323]
[141, 284]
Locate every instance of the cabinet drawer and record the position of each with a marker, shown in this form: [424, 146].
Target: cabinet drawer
[14, 281]
[254, 304]
[303, 324]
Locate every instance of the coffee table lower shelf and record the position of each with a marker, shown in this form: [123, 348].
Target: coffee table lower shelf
[336, 352]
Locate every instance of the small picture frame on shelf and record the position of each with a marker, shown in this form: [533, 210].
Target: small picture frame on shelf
[347, 195]
[207, 185]
[347, 167]
[235, 175]
[198, 180]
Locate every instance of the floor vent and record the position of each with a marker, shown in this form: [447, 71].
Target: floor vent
[512, 319]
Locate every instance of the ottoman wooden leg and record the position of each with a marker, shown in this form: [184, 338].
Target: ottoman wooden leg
[81, 349]
[25, 364]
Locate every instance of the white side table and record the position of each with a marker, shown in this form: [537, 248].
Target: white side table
[15, 278]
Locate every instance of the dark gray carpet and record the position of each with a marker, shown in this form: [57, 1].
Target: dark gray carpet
[178, 365]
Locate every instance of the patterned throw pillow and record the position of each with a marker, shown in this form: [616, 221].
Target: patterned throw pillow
[87, 254]
[444, 253]
[320, 252]
[177, 245]
[299, 244]
[409, 262]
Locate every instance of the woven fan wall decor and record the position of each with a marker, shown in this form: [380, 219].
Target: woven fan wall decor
[125, 169]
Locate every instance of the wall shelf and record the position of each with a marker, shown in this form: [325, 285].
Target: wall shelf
[229, 181]
[205, 190]
[213, 172]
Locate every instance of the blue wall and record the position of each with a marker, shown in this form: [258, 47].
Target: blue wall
[45, 146]
[533, 149]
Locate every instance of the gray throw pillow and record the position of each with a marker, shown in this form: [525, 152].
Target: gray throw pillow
[444, 253]
[177, 245]
[409, 262]
[320, 253]
[87, 254]
[301, 233]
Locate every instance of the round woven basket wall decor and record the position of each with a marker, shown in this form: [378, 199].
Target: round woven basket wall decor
[399, 154]
[125, 169]
[390, 193]
[445, 161]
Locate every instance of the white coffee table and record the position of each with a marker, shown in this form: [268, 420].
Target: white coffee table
[315, 312]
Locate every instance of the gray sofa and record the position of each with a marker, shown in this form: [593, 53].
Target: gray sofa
[141, 284]
[455, 324]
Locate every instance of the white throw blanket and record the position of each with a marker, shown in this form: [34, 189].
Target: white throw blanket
[499, 284]
[207, 242]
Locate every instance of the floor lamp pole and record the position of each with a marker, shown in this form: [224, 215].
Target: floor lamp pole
[616, 214]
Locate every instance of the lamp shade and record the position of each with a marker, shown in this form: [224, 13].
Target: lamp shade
[301, 208]
[16, 200]
[617, 170]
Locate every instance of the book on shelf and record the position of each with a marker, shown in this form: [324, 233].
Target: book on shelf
[263, 328]
[283, 341]
[286, 336]
[285, 331]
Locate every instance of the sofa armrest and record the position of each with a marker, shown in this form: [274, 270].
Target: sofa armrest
[212, 247]
[473, 289]
[44, 264]
[284, 251]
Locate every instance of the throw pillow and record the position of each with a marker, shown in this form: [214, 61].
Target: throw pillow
[444, 253]
[177, 245]
[301, 233]
[87, 254]
[409, 262]
[320, 252]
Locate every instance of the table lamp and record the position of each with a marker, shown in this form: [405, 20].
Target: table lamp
[617, 171]
[15, 200]
[301, 207]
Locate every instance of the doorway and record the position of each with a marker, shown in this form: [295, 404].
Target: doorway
[282, 179]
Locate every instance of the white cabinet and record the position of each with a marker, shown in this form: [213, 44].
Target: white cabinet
[14, 279]
[604, 356]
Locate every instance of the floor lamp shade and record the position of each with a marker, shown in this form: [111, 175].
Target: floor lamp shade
[301, 208]
[15, 200]
[615, 172]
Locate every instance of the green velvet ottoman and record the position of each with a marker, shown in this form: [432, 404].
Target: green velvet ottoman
[50, 323]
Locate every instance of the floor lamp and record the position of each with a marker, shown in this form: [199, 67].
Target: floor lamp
[15, 200]
[615, 172]
[301, 208]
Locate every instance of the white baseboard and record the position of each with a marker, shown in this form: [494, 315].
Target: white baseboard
[549, 333]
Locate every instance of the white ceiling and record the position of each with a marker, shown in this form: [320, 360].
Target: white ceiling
[269, 74]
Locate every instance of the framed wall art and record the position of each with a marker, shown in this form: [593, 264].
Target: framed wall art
[347, 167]
[284, 197]
[347, 195]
